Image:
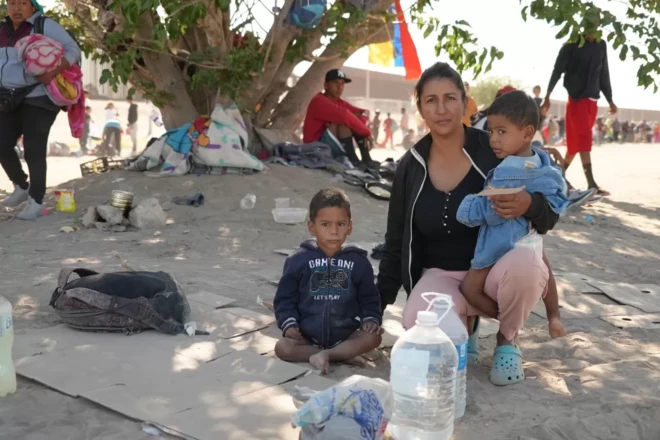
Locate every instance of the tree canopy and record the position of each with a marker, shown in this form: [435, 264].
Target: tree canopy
[186, 55]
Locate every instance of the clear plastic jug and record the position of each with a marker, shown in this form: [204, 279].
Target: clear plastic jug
[451, 324]
[423, 379]
[7, 372]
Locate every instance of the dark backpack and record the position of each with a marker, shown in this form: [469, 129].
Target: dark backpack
[120, 301]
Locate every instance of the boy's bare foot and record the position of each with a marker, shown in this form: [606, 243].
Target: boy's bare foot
[556, 328]
[358, 361]
[320, 360]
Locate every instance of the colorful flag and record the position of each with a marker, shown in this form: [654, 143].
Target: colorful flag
[400, 51]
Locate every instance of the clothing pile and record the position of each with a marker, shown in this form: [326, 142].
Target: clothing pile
[41, 54]
[215, 145]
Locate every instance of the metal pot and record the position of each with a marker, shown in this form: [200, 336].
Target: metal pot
[122, 199]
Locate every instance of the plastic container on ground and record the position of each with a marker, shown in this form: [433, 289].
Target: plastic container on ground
[248, 201]
[7, 372]
[282, 203]
[453, 327]
[423, 379]
[290, 216]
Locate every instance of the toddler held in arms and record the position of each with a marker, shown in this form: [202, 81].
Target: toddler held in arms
[327, 304]
[512, 122]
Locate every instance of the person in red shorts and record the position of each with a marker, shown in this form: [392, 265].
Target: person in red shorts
[336, 123]
[586, 75]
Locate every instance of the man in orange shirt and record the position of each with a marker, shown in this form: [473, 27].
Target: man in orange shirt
[336, 123]
[471, 109]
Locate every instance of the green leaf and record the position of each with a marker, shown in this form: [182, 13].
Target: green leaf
[623, 53]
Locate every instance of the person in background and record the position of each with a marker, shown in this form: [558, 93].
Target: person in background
[405, 122]
[586, 74]
[132, 122]
[409, 139]
[28, 111]
[539, 101]
[375, 126]
[390, 126]
[656, 130]
[336, 123]
[84, 139]
[471, 108]
[616, 130]
[537, 95]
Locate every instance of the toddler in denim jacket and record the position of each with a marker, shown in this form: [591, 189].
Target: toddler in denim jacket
[512, 122]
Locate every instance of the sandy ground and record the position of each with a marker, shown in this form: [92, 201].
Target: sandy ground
[600, 382]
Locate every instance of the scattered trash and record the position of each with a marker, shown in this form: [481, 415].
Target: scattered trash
[66, 201]
[266, 304]
[45, 212]
[195, 200]
[122, 199]
[69, 229]
[188, 183]
[589, 218]
[119, 179]
[152, 430]
[355, 406]
[187, 231]
[248, 201]
[290, 216]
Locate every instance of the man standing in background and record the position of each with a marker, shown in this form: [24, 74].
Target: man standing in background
[375, 126]
[405, 122]
[132, 122]
[586, 74]
[471, 109]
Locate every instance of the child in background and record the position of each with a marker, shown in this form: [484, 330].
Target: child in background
[512, 122]
[325, 288]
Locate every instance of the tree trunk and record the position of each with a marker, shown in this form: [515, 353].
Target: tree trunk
[291, 110]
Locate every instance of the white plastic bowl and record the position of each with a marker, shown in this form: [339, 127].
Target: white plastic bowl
[290, 216]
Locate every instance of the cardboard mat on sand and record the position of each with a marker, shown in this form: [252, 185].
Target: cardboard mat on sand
[202, 387]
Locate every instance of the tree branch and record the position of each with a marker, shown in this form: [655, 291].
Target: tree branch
[280, 36]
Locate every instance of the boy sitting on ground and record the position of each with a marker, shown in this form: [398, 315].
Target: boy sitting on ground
[512, 122]
[326, 304]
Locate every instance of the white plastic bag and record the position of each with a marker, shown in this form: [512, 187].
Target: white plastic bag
[357, 408]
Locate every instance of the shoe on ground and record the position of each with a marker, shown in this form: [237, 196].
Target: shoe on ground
[579, 197]
[31, 211]
[16, 198]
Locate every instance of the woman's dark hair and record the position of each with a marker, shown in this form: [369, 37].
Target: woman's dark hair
[517, 107]
[438, 71]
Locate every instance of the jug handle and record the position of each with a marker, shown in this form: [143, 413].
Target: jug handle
[432, 297]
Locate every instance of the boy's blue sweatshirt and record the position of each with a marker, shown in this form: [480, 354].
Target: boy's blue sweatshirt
[327, 298]
[498, 235]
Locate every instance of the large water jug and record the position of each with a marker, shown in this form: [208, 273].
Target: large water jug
[423, 379]
[7, 372]
[453, 327]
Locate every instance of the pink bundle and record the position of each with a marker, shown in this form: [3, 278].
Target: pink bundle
[41, 54]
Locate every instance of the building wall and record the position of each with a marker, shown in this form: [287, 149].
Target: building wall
[91, 79]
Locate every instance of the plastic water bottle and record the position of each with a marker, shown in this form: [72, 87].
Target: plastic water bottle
[453, 327]
[248, 201]
[423, 379]
[7, 372]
